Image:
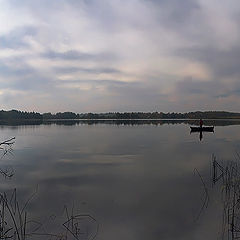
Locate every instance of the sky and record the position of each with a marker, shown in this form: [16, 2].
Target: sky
[119, 55]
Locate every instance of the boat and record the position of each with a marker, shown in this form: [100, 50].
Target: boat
[202, 129]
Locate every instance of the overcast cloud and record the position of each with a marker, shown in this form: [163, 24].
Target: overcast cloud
[119, 55]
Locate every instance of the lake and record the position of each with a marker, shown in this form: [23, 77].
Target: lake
[130, 180]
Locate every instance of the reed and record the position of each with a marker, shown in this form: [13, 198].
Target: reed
[228, 176]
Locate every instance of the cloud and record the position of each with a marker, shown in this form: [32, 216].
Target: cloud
[223, 63]
[120, 55]
[77, 55]
[88, 70]
[15, 38]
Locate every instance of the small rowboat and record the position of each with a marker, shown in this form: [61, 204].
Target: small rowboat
[202, 129]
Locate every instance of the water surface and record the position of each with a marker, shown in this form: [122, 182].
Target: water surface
[138, 181]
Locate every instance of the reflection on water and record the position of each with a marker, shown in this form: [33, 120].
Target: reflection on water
[137, 181]
[207, 122]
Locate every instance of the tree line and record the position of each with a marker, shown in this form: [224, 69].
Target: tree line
[23, 115]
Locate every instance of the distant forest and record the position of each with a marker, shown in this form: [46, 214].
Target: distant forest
[21, 115]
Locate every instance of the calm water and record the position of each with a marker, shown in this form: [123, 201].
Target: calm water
[136, 181]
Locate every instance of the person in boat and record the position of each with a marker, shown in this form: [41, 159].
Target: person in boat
[201, 123]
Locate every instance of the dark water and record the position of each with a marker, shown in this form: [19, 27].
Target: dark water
[135, 181]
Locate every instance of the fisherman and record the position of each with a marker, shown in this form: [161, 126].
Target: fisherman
[201, 123]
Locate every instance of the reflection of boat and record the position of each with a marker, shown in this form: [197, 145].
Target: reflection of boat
[202, 129]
